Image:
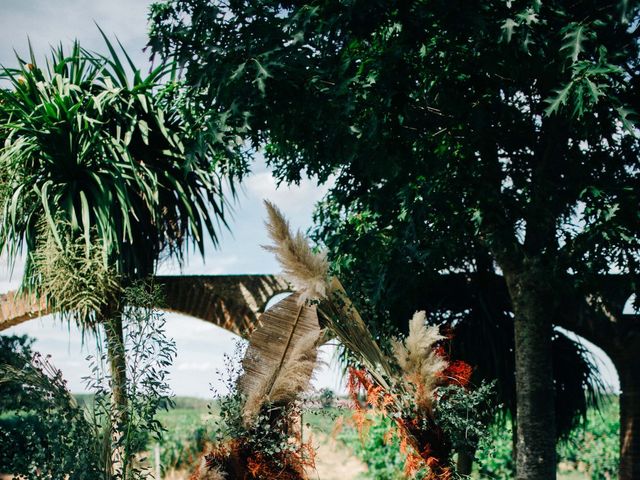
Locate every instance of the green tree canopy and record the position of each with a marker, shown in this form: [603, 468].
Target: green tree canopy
[490, 136]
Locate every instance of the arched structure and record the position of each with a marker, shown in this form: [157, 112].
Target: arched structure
[15, 309]
[232, 302]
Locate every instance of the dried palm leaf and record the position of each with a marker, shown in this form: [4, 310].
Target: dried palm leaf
[344, 321]
[288, 334]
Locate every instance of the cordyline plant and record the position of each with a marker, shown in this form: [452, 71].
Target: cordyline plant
[103, 170]
[425, 393]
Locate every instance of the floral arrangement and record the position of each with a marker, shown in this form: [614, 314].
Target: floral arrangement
[413, 381]
[422, 369]
[259, 435]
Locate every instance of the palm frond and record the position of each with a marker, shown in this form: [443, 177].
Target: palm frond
[283, 347]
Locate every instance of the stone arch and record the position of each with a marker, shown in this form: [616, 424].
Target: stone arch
[232, 302]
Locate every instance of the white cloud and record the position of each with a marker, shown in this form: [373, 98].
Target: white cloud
[47, 22]
[196, 265]
[10, 279]
[294, 199]
[194, 366]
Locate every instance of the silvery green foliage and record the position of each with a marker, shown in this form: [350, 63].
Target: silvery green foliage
[465, 415]
[149, 355]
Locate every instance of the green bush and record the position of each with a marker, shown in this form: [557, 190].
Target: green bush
[180, 451]
[595, 447]
[52, 438]
[592, 447]
[493, 458]
[380, 453]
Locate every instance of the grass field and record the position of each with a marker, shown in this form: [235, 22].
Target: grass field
[588, 453]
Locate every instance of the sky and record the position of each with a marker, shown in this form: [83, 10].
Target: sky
[201, 346]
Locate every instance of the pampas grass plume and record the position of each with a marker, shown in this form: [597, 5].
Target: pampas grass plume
[306, 270]
[417, 358]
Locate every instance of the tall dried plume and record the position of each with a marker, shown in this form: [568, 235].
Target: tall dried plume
[305, 269]
[421, 365]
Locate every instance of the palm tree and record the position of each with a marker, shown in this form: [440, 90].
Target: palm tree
[102, 173]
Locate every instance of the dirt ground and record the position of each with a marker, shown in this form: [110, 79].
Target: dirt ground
[334, 461]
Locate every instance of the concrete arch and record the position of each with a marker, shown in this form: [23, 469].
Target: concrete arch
[232, 302]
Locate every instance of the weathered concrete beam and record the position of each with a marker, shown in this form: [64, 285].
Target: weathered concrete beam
[232, 302]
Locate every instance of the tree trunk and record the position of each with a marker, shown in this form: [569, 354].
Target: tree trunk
[118, 369]
[117, 364]
[629, 372]
[464, 464]
[532, 298]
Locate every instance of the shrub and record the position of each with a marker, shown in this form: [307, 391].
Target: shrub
[53, 438]
[377, 449]
[596, 446]
[45, 434]
[494, 456]
[327, 398]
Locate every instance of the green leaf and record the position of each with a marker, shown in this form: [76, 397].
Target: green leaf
[507, 28]
[628, 123]
[262, 72]
[238, 71]
[594, 90]
[558, 100]
[143, 126]
[86, 222]
[44, 195]
[573, 42]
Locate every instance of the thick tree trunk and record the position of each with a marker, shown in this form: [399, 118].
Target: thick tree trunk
[629, 372]
[533, 305]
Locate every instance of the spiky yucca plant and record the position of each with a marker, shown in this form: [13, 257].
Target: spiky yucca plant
[91, 143]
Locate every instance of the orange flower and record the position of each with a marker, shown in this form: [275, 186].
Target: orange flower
[458, 372]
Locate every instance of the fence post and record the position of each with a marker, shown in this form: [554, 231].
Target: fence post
[156, 452]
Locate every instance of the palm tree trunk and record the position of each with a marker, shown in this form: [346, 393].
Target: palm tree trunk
[118, 369]
[629, 372]
[535, 425]
[118, 365]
